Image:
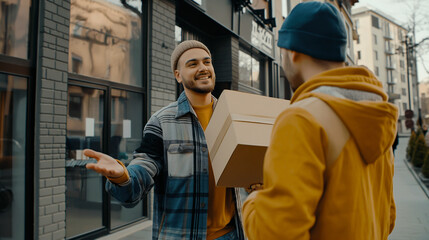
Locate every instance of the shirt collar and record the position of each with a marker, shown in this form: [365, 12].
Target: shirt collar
[184, 106]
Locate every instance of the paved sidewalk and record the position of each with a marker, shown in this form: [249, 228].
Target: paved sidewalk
[412, 204]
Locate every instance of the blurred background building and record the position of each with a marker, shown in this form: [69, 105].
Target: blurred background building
[382, 47]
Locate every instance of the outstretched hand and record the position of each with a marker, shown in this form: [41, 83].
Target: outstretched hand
[106, 165]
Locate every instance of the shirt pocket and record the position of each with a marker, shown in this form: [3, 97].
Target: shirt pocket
[180, 159]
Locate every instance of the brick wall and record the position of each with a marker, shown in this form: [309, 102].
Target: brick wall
[235, 62]
[163, 83]
[51, 105]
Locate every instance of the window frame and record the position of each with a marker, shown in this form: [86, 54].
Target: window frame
[27, 68]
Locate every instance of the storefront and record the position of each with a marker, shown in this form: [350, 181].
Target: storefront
[78, 74]
[239, 35]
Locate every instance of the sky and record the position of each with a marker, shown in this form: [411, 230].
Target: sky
[402, 10]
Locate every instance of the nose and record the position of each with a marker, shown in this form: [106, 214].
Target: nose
[202, 67]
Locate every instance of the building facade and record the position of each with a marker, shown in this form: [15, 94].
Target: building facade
[381, 47]
[424, 101]
[78, 74]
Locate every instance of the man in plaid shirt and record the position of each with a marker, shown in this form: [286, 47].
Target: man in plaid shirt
[173, 157]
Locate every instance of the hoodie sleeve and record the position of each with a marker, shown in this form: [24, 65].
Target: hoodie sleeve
[392, 203]
[293, 180]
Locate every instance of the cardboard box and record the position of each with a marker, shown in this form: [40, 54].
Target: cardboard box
[238, 135]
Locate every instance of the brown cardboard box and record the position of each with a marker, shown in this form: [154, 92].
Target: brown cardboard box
[238, 135]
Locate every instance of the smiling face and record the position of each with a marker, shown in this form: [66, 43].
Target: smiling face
[195, 71]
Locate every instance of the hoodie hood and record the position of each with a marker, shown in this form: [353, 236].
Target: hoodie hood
[358, 98]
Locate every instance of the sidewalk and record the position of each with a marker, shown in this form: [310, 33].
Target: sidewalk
[412, 204]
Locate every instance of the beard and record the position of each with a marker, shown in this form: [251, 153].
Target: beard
[191, 85]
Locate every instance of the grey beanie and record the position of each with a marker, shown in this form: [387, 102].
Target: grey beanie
[183, 47]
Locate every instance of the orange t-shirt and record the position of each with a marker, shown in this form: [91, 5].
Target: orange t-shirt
[221, 206]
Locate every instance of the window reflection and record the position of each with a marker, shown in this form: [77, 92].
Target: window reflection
[84, 187]
[126, 133]
[249, 70]
[105, 41]
[13, 108]
[14, 27]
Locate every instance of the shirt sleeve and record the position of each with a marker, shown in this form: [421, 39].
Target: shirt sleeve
[146, 166]
[293, 180]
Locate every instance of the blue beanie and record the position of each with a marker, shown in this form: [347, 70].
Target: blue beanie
[315, 29]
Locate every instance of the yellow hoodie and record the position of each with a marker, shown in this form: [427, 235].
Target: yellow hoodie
[352, 198]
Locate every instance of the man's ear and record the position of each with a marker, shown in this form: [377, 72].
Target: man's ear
[295, 56]
[177, 76]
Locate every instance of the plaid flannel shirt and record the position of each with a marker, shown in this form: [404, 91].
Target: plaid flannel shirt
[173, 158]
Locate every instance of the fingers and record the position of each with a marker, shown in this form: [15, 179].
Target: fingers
[102, 170]
[254, 187]
[92, 154]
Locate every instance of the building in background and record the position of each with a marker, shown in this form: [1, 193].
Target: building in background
[381, 47]
[424, 100]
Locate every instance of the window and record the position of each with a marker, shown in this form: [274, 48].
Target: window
[375, 39]
[105, 85]
[177, 34]
[402, 78]
[84, 187]
[400, 35]
[375, 22]
[249, 70]
[14, 28]
[13, 125]
[404, 106]
[284, 8]
[348, 38]
[389, 63]
[359, 56]
[401, 63]
[388, 46]
[125, 137]
[387, 29]
[376, 55]
[390, 78]
[404, 92]
[75, 106]
[376, 71]
[76, 64]
[101, 45]
[390, 89]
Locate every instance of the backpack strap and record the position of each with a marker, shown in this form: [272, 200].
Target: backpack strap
[334, 127]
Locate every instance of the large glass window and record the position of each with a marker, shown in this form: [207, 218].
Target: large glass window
[84, 187]
[249, 70]
[125, 137]
[106, 104]
[14, 27]
[13, 120]
[105, 40]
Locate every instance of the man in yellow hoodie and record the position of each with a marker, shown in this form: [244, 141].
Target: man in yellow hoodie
[328, 170]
